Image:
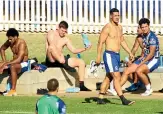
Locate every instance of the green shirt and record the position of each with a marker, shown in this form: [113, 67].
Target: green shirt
[50, 104]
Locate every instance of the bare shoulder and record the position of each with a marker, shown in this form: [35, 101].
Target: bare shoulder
[22, 41]
[51, 32]
[120, 26]
[106, 27]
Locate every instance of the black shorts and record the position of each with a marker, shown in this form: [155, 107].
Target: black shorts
[58, 64]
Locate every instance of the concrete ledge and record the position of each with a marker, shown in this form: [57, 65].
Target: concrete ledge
[29, 82]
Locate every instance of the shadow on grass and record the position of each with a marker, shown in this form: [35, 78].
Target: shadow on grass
[159, 112]
[94, 99]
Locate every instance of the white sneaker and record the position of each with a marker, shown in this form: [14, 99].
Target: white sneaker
[113, 92]
[147, 92]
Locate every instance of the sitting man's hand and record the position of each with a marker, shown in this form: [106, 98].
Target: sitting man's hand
[89, 47]
[2, 67]
[131, 57]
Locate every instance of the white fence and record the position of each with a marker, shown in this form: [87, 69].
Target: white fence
[82, 15]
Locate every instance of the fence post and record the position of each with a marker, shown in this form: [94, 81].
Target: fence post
[135, 16]
[49, 14]
[151, 13]
[96, 16]
[27, 16]
[91, 17]
[75, 16]
[32, 15]
[6, 14]
[1, 15]
[156, 17]
[17, 14]
[22, 14]
[161, 16]
[69, 4]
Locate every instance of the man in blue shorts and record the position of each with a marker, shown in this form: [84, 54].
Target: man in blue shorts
[150, 61]
[50, 103]
[112, 36]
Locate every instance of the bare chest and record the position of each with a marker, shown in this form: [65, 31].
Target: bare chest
[60, 43]
[115, 33]
[14, 49]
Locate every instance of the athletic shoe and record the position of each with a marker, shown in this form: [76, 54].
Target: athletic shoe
[10, 93]
[83, 88]
[147, 92]
[131, 88]
[128, 102]
[113, 92]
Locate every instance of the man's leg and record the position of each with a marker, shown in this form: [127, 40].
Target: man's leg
[75, 62]
[116, 78]
[128, 70]
[142, 72]
[15, 69]
[103, 89]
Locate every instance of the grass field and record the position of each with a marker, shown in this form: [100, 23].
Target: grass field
[36, 45]
[26, 105]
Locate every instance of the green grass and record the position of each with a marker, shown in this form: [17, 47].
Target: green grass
[15, 105]
[36, 45]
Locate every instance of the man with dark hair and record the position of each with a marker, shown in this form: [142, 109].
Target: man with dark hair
[112, 36]
[20, 54]
[55, 41]
[150, 61]
[50, 103]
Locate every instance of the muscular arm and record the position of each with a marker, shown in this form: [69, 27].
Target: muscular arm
[73, 49]
[103, 36]
[54, 50]
[2, 50]
[135, 47]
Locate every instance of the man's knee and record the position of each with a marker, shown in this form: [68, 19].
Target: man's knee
[12, 66]
[138, 72]
[82, 63]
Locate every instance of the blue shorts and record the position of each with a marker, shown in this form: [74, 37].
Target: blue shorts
[111, 61]
[151, 64]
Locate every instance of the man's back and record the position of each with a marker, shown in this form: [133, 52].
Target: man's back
[50, 104]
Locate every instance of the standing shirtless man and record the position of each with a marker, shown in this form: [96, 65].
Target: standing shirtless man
[113, 38]
[20, 54]
[55, 41]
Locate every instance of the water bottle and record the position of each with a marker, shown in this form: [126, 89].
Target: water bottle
[161, 60]
[73, 90]
[8, 86]
[29, 65]
[126, 59]
[85, 40]
[78, 55]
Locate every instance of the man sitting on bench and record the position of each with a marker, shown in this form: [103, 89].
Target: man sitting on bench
[20, 54]
[55, 41]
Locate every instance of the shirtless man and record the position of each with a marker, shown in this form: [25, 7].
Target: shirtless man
[132, 65]
[20, 54]
[134, 86]
[113, 38]
[55, 41]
